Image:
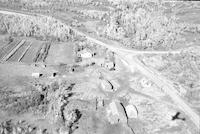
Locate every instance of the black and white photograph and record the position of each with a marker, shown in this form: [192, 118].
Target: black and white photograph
[99, 67]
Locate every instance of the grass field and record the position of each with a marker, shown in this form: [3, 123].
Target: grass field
[61, 53]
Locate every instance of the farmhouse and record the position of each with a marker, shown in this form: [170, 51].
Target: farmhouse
[85, 53]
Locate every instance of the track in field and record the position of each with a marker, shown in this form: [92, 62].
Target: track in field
[22, 50]
[7, 48]
[31, 53]
[19, 52]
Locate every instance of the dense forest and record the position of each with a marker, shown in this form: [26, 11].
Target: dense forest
[143, 25]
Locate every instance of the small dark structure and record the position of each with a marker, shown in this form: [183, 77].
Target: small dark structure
[177, 117]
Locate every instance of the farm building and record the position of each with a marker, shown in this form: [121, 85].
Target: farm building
[100, 61]
[131, 111]
[86, 53]
[109, 86]
[106, 86]
[115, 84]
[116, 113]
[105, 63]
[36, 75]
[99, 103]
[109, 65]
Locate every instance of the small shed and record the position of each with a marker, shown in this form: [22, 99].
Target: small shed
[109, 65]
[99, 103]
[36, 75]
[53, 75]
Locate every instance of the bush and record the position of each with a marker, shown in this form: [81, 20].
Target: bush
[19, 105]
[8, 39]
[34, 26]
[2, 26]
[50, 4]
[143, 26]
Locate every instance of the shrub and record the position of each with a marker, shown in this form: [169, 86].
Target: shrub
[143, 26]
[50, 4]
[34, 26]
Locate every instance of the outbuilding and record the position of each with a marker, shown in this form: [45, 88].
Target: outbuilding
[115, 85]
[53, 75]
[85, 53]
[116, 113]
[36, 75]
[109, 65]
[131, 111]
[106, 86]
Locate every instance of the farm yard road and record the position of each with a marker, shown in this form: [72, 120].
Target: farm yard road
[24, 52]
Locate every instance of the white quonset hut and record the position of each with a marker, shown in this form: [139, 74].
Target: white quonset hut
[106, 86]
[116, 113]
[131, 111]
[115, 84]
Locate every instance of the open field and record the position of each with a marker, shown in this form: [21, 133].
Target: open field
[61, 53]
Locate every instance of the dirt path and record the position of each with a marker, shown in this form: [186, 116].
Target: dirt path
[167, 87]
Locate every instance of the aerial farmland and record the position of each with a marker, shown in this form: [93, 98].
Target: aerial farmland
[99, 67]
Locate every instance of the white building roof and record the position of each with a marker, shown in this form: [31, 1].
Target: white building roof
[85, 53]
[131, 111]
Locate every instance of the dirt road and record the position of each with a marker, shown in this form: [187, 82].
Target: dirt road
[166, 86]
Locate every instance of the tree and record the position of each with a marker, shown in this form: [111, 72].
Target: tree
[145, 26]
